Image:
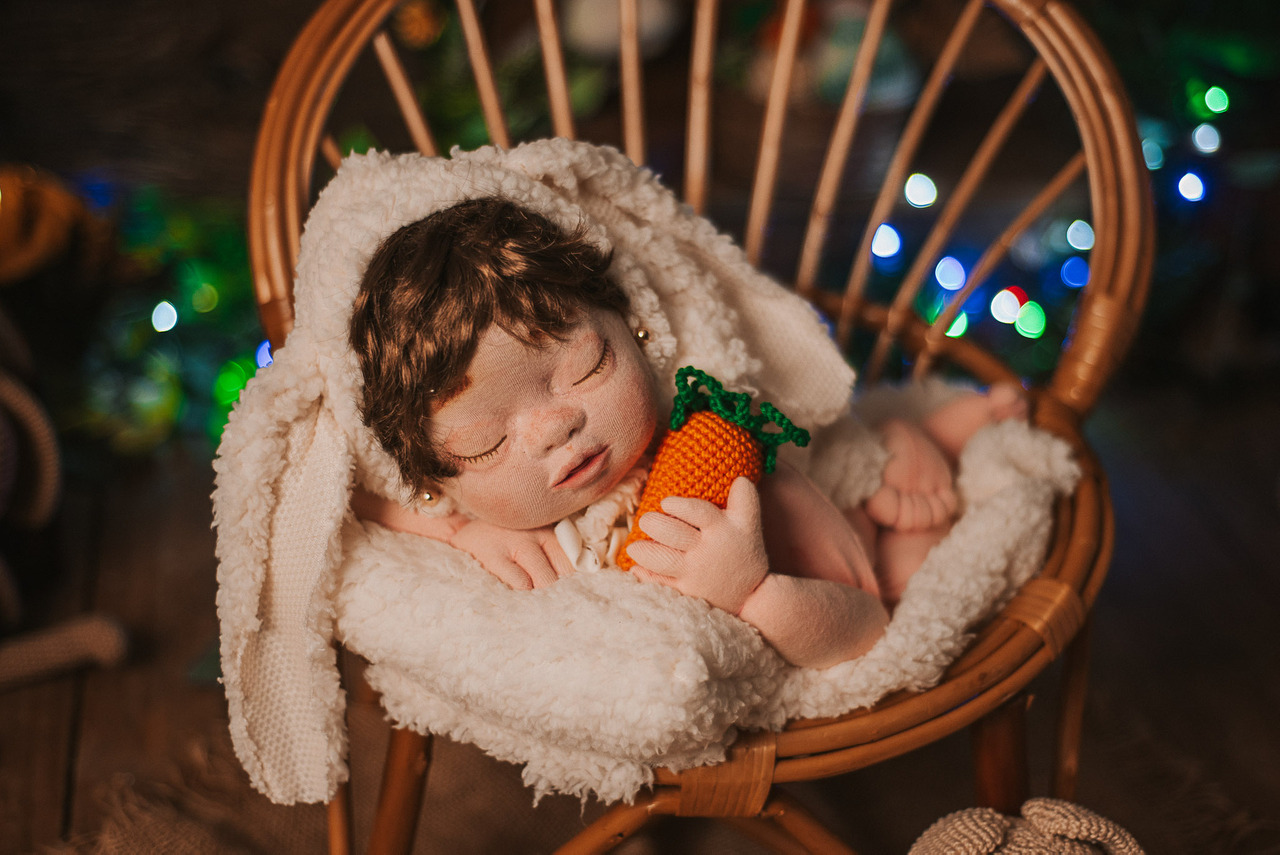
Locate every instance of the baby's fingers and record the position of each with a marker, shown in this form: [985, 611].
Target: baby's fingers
[644, 574]
[509, 573]
[534, 562]
[698, 513]
[743, 506]
[560, 562]
[669, 531]
[657, 557]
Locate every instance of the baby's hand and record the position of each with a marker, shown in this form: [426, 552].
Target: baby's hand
[521, 559]
[703, 551]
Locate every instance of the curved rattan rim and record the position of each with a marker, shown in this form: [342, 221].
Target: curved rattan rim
[1006, 655]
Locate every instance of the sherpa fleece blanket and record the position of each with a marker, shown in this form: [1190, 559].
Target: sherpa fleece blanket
[593, 681]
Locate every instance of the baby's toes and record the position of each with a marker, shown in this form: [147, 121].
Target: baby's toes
[885, 506]
[1007, 401]
[942, 507]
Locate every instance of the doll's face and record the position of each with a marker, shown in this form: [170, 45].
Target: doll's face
[538, 433]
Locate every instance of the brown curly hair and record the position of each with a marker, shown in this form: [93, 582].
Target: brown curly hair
[430, 291]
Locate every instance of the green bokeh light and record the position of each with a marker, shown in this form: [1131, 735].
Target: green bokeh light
[1215, 98]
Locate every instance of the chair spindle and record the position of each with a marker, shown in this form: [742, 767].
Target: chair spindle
[762, 188]
[482, 68]
[698, 138]
[632, 80]
[992, 257]
[970, 180]
[553, 66]
[912, 133]
[838, 150]
[402, 90]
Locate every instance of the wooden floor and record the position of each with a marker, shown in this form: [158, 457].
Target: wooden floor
[1182, 744]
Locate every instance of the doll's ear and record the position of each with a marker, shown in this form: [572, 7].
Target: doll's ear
[1071, 821]
[283, 486]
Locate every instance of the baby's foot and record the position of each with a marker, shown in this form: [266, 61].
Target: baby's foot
[952, 425]
[917, 492]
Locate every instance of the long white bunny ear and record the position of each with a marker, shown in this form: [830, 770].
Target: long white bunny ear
[283, 483]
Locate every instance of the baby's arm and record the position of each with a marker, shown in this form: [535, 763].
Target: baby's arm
[812, 622]
[720, 556]
[521, 559]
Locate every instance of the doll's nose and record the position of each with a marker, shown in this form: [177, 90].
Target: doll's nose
[557, 425]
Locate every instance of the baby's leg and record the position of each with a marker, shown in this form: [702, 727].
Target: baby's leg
[953, 424]
[899, 555]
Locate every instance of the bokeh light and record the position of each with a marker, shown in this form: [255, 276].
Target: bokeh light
[950, 273]
[1080, 235]
[1006, 305]
[1152, 154]
[958, 326]
[1215, 98]
[1206, 138]
[230, 380]
[920, 190]
[1030, 320]
[1191, 186]
[262, 356]
[205, 298]
[164, 316]
[887, 242]
[1074, 272]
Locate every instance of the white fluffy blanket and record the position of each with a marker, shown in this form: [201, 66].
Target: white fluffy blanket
[592, 682]
[595, 680]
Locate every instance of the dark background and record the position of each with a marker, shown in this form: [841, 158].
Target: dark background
[148, 110]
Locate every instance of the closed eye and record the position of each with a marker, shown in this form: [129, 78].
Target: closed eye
[484, 455]
[606, 355]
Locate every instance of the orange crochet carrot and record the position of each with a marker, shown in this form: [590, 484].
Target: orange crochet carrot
[714, 439]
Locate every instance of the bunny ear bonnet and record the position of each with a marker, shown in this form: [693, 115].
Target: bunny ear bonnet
[295, 446]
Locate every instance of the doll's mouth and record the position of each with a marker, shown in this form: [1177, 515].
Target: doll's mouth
[584, 469]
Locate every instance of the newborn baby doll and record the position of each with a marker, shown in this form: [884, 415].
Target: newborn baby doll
[499, 370]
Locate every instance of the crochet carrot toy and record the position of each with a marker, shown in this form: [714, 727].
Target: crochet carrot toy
[714, 439]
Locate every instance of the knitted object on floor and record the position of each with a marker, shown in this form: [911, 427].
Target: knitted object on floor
[1047, 827]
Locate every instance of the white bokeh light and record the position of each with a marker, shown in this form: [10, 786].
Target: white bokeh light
[920, 190]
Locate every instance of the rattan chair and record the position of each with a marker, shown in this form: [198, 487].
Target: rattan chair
[1100, 171]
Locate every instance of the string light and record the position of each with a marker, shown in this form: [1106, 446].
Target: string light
[1030, 320]
[1074, 272]
[1215, 98]
[1080, 235]
[1006, 305]
[1206, 138]
[950, 273]
[164, 316]
[1191, 186]
[886, 243]
[920, 190]
[205, 298]
[230, 380]
[262, 356]
[1152, 154]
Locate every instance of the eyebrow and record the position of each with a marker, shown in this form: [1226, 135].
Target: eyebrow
[452, 392]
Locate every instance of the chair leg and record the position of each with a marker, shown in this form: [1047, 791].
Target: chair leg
[803, 826]
[404, 777]
[338, 814]
[1075, 684]
[619, 822]
[1000, 756]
